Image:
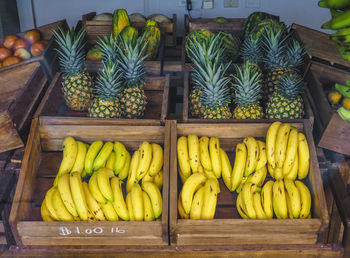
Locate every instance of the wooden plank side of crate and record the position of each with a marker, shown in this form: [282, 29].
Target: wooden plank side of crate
[232, 25]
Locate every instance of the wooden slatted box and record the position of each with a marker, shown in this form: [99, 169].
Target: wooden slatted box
[40, 164]
[227, 228]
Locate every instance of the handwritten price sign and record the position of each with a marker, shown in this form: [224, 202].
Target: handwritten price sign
[65, 231]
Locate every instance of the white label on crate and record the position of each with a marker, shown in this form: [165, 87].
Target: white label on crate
[65, 231]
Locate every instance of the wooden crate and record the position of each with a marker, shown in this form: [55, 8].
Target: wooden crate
[48, 59]
[41, 161]
[156, 90]
[20, 95]
[186, 116]
[227, 228]
[96, 29]
[330, 131]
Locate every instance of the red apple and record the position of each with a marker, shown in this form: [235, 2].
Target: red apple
[37, 49]
[9, 41]
[11, 60]
[22, 53]
[20, 43]
[32, 36]
[4, 53]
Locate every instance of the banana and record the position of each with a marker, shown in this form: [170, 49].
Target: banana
[80, 158]
[156, 198]
[182, 176]
[210, 197]
[66, 195]
[281, 144]
[92, 204]
[70, 151]
[247, 199]
[262, 155]
[252, 155]
[109, 212]
[183, 156]
[120, 156]
[340, 22]
[61, 211]
[125, 170]
[336, 4]
[258, 177]
[188, 189]
[129, 206]
[149, 214]
[180, 209]
[45, 213]
[197, 204]
[240, 187]
[270, 142]
[240, 207]
[91, 155]
[157, 159]
[119, 202]
[289, 207]
[294, 170]
[204, 156]
[294, 196]
[103, 176]
[147, 178]
[226, 168]
[210, 174]
[102, 156]
[200, 168]
[214, 151]
[49, 204]
[145, 160]
[132, 171]
[304, 156]
[278, 173]
[238, 166]
[158, 180]
[91, 216]
[260, 214]
[266, 199]
[279, 200]
[271, 170]
[305, 198]
[78, 195]
[95, 190]
[110, 161]
[193, 151]
[292, 148]
[137, 202]
[342, 32]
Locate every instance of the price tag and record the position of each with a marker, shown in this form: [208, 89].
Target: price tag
[66, 231]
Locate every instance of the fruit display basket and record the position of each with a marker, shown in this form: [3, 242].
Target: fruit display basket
[20, 95]
[98, 28]
[48, 59]
[40, 164]
[156, 90]
[330, 131]
[227, 228]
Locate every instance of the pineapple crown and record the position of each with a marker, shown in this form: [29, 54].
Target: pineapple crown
[290, 86]
[108, 82]
[247, 84]
[71, 52]
[108, 47]
[251, 50]
[130, 60]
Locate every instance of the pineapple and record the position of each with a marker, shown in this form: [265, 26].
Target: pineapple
[133, 100]
[108, 86]
[77, 84]
[247, 88]
[251, 51]
[108, 47]
[286, 102]
[196, 107]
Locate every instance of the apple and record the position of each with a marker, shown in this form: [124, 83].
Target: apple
[9, 41]
[4, 53]
[22, 53]
[11, 60]
[32, 36]
[20, 43]
[37, 49]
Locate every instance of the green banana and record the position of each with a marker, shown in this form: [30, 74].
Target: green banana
[344, 114]
[323, 4]
[342, 32]
[343, 89]
[336, 4]
[344, 51]
[341, 39]
[339, 22]
[348, 83]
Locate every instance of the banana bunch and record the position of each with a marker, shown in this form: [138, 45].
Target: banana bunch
[284, 198]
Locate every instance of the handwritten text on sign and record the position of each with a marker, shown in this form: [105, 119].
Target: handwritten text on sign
[65, 231]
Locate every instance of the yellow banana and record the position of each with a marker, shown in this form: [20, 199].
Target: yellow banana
[252, 155]
[209, 199]
[61, 211]
[182, 176]
[78, 195]
[93, 206]
[188, 189]
[279, 200]
[158, 180]
[289, 207]
[70, 151]
[292, 148]
[95, 190]
[200, 168]
[266, 199]
[80, 159]
[197, 203]
[183, 156]
[260, 214]
[294, 170]
[238, 166]
[156, 198]
[258, 177]
[271, 170]
[125, 170]
[45, 213]
[226, 168]
[180, 209]
[210, 174]
[91, 155]
[247, 199]
[102, 156]
[294, 196]
[137, 202]
[120, 157]
[149, 214]
[240, 187]
[204, 156]
[91, 216]
[305, 198]
[49, 204]
[240, 207]
[157, 159]
[214, 151]
[145, 160]
[132, 171]
[119, 202]
[262, 160]
[147, 178]
[129, 206]
[281, 144]
[111, 161]
[103, 176]
[66, 194]
[278, 173]
[193, 151]
[109, 212]
[270, 142]
[304, 156]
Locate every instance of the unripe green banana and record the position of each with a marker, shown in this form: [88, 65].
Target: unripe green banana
[120, 157]
[91, 155]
